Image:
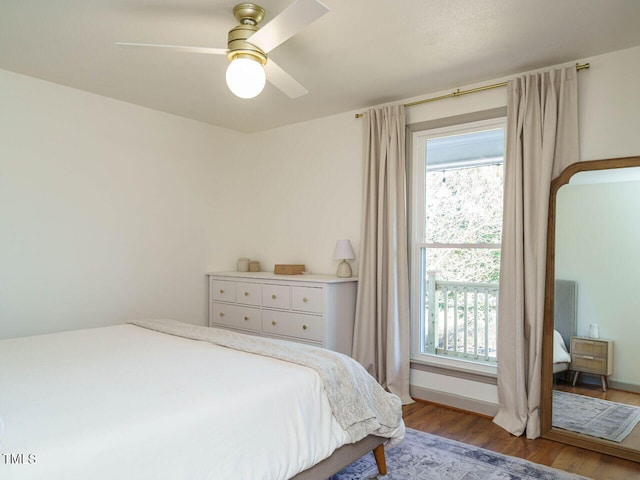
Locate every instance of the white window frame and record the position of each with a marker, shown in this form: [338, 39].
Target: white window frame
[417, 216]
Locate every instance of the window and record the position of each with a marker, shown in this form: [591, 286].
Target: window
[457, 192]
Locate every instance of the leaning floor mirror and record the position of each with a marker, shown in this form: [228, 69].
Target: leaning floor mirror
[590, 354]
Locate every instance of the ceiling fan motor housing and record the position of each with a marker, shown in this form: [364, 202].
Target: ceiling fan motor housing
[249, 15]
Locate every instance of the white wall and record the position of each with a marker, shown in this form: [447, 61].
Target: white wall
[597, 238]
[105, 209]
[609, 101]
[295, 191]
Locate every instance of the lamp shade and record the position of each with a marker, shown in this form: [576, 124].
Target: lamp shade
[245, 77]
[343, 250]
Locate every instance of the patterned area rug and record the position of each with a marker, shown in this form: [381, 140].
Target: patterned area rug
[592, 416]
[423, 456]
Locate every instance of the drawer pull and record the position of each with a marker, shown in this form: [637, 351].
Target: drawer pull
[222, 314]
[273, 322]
[246, 294]
[246, 318]
[221, 290]
[304, 327]
[587, 357]
[274, 296]
[305, 299]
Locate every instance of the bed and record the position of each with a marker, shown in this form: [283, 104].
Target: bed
[564, 323]
[167, 400]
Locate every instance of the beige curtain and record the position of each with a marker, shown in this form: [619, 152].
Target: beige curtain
[542, 139]
[382, 325]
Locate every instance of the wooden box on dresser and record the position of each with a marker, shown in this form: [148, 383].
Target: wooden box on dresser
[314, 309]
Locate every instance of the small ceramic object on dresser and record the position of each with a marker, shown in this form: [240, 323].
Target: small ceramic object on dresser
[594, 330]
[254, 266]
[243, 265]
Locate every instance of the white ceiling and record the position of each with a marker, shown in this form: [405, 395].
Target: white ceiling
[362, 53]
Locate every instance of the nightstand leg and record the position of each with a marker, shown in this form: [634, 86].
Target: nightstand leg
[603, 379]
[575, 379]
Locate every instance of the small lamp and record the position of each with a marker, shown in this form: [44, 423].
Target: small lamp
[344, 251]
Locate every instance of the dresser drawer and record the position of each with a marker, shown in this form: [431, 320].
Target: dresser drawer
[306, 299]
[296, 325]
[583, 346]
[236, 316]
[223, 291]
[275, 296]
[248, 293]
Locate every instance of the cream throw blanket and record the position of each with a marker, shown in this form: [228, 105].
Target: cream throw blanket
[360, 405]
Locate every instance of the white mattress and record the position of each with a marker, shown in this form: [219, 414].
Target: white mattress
[125, 402]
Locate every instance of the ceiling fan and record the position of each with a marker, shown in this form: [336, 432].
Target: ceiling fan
[248, 46]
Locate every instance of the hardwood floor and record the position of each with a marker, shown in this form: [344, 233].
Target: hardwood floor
[480, 431]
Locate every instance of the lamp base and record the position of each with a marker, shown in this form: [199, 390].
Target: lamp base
[344, 269]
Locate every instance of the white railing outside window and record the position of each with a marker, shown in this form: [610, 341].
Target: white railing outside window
[462, 319]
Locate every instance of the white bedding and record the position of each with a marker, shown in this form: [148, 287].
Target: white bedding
[150, 408]
[560, 352]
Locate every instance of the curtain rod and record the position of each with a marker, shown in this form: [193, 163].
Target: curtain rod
[459, 92]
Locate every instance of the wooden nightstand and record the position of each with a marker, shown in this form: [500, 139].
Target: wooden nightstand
[591, 355]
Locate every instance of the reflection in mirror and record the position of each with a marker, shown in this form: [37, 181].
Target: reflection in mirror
[595, 384]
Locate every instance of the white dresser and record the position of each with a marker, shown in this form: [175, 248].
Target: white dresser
[314, 309]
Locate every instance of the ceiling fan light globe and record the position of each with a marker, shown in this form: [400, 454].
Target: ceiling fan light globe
[245, 77]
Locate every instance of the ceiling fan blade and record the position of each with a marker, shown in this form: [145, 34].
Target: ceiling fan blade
[283, 81]
[287, 23]
[177, 48]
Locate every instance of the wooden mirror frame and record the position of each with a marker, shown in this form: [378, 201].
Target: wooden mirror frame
[546, 429]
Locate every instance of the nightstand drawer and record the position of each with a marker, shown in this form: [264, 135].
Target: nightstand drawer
[306, 299]
[589, 364]
[236, 316]
[248, 293]
[307, 327]
[275, 296]
[583, 346]
[223, 291]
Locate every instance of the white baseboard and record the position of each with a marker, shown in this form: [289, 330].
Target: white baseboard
[595, 380]
[627, 387]
[455, 401]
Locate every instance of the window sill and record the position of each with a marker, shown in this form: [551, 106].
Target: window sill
[456, 368]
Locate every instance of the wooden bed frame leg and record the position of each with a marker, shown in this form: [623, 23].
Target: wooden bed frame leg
[381, 461]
